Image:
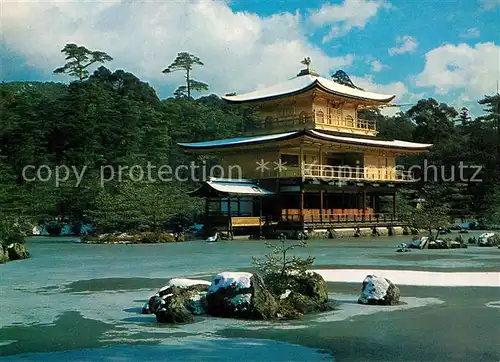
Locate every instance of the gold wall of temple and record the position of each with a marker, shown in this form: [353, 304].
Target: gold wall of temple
[380, 167]
[373, 166]
[308, 111]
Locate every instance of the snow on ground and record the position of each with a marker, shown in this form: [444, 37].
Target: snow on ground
[224, 280]
[182, 282]
[412, 277]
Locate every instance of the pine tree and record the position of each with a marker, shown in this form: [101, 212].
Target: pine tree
[185, 62]
[464, 116]
[79, 59]
[492, 118]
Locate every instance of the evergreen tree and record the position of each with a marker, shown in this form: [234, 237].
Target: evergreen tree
[492, 119]
[184, 62]
[79, 59]
[434, 121]
[464, 116]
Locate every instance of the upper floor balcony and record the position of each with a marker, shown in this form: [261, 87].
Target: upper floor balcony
[313, 120]
[335, 173]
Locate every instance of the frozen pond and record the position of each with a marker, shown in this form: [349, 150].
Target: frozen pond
[85, 298]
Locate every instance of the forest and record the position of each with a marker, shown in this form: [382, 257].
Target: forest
[112, 118]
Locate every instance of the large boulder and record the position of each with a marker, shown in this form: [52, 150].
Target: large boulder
[379, 291]
[488, 239]
[17, 251]
[240, 295]
[178, 301]
[419, 243]
[171, 309]
[299, 294]
[311, 285]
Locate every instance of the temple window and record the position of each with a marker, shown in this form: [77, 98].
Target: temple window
[349, 121]
[290, 160]
[302, 117]
[269, 122]
[320, 116]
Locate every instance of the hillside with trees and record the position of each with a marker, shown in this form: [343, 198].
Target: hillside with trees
[106, 118]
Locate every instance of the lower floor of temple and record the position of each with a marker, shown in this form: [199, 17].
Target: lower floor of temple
[293, 204]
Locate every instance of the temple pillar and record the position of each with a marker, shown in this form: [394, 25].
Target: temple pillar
[301, 160]
[260, 217]
[302, 204]
[207, 217]
[321, 205]
[230, 219]
[364, 203]
[394, 206]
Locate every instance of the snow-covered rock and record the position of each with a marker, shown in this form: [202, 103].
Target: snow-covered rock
[16, 251]
[235, 280]
[488, 239]
[183, 282]
[240, 295]
[40, 230]
[379, 291]
[178, 301]
[419, 243]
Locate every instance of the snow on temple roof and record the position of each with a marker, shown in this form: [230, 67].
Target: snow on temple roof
[236, 141]
[231, 187]
[303, 83]
[374, 142]
[311, 133]
[239, 188]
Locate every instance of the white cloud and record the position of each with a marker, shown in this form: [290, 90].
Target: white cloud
[239, 49]
[341, 18]
[405, 44]
[489, 4]
[470, 33]
[377, 65]
[470, 72]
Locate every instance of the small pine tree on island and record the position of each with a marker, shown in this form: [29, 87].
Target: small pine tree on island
[277, 265]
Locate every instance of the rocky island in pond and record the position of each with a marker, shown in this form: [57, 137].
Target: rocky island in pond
[245, 295]
[283, 288]
[239, 295]
[12, 245]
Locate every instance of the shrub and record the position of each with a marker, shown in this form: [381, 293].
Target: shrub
[277, 266]
[149, 238]
[167, 238]
[11, 232]
[53, 228]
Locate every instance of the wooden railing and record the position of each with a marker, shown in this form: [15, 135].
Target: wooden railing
[238, 221]
[311, 170]
[351, 123]
[310, 120]
[305, 120]
[342, 218]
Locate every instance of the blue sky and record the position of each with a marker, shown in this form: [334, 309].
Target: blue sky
[448, 50]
